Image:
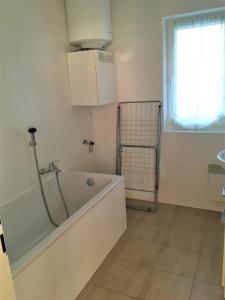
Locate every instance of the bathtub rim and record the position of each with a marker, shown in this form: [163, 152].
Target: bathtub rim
[47, 241]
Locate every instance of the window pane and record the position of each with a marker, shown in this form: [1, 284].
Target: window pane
[199, 75]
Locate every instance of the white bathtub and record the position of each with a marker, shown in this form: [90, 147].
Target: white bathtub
[56, 263]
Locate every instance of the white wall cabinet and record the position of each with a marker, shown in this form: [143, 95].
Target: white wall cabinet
[92, 77]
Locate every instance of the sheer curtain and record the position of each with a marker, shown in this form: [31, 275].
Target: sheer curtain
[197, 66]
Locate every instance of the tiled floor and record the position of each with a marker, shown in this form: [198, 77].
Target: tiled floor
[173, 254]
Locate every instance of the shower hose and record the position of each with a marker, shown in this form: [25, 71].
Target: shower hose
[42, 189]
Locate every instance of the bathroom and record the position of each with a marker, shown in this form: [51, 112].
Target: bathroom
[167, 244]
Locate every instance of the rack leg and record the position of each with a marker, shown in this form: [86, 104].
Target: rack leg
[155, 204]
[153, 208]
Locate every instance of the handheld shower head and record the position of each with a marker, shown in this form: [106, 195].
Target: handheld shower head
[32, 131]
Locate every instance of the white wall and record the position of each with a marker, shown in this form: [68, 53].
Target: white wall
[34, 92]
[137, 41]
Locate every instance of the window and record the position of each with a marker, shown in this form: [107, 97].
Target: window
[194, 69]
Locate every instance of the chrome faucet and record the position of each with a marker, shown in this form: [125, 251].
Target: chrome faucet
[52, 168]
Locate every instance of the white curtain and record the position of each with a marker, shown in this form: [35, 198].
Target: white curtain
[197, 70]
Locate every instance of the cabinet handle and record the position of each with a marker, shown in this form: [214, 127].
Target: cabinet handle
[3, 243]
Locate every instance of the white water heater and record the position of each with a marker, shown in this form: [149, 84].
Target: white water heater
[89, 23]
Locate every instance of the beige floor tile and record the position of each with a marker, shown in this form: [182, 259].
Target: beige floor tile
[191, 210]
[177, 261]
[167, 207]
[210, 268]
[190, 218]
[185, 234]
[166, 286]
[204, 291]
[123, 277]
[134, 218]
[185, 238]
[145, 222]
[163, 216]
[137, 251]
[150, 233]
[92, 292]
[214, 218]
[213, 239]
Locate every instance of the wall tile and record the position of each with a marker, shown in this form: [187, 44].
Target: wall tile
[35, 70]
[16, 177]
[11, 73]
[38, 99]
[34, 91]
[13, 104]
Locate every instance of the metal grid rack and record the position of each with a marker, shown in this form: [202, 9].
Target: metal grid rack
[138, 147]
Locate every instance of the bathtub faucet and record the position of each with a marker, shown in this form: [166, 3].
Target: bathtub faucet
[52, 168]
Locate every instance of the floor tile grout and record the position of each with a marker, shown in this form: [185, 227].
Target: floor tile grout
[159, 269]
[111, 290]
[198, 262]
[209, 283]
[199, 253]
[146, 284]
[162, 245]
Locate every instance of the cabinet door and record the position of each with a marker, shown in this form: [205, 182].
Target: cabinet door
[106, 79]
[82, 78]
[6, 282]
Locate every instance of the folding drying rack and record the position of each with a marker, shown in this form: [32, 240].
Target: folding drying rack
[138, 147]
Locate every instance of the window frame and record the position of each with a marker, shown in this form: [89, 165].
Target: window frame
[169, 50]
